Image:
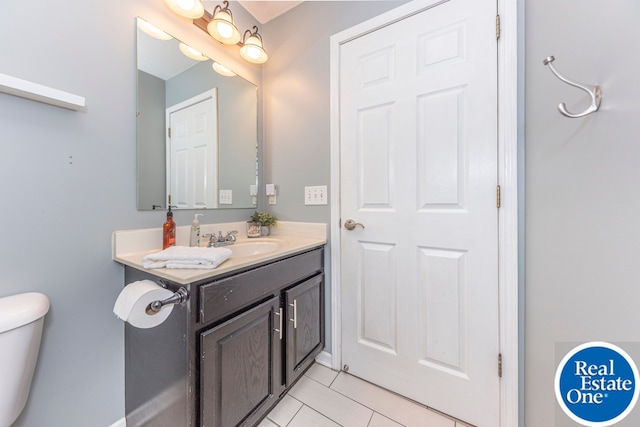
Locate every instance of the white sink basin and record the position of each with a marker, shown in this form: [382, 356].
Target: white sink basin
[241, 250]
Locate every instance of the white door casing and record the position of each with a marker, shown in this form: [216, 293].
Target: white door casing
[192, 152]
[386, 252]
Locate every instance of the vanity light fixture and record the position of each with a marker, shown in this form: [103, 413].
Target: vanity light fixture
[152, 30]
[190, 52]
[222, 70]
[192, 9]
[221, 26]
[252, 49]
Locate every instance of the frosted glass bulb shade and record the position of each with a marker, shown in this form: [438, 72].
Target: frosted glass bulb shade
[192, 9]
[190, 52]
[253, 52]
[222, 70]
[221, 28]
[152, 30]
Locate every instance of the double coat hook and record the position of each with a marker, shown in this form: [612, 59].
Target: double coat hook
[594, 92]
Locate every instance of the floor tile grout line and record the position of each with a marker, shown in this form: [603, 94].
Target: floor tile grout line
[324, 415]
[410, 401]
[371, 418]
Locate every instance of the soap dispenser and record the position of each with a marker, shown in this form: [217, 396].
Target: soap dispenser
[169, 231]
[194, 239]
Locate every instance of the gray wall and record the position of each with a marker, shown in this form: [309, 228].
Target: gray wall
[69, 181]
[582, 178]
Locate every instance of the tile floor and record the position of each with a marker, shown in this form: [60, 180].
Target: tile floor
[325, 398]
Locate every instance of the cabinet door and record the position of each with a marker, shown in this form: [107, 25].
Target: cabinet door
[240, 367]
[304, 305]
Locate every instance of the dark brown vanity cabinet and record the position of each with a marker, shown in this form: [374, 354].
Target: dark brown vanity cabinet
[249, 360]
[229, 354]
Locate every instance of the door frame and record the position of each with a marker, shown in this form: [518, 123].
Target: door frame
[508, 220]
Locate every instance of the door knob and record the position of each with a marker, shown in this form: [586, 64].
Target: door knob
[351, 224]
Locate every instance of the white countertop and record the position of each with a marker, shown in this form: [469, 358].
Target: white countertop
[130, 246]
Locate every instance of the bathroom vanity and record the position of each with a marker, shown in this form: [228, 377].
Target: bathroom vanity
[224, 357]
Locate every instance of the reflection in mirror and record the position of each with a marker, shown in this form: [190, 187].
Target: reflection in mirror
[197, 129]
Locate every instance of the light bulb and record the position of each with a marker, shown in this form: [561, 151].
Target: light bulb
[224, 29]
[186, 4]
[253, 52]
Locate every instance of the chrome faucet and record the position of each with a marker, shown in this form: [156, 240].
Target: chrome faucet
[221, 240]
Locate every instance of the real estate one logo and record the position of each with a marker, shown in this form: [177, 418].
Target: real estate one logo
[596, 384]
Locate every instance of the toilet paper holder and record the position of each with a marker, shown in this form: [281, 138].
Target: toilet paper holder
[178, 297]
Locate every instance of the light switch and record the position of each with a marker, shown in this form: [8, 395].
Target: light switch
[316, 195]
[226, 197]
[271, 193]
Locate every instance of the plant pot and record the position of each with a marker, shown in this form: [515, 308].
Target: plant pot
[264, 230]
[253, 229]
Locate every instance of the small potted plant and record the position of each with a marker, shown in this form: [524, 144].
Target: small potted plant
[260, 223]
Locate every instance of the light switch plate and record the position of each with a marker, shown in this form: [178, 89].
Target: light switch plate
[270, 190]
[316, 195]
[226, 197]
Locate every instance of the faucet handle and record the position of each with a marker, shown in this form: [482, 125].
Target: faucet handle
[212, 238]
[230, 236]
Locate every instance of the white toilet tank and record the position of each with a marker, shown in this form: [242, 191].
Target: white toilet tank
[21, 321]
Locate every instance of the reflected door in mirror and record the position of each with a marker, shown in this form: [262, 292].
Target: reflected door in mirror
[192, 151]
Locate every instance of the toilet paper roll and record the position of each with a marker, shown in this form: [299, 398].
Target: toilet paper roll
[133, 300]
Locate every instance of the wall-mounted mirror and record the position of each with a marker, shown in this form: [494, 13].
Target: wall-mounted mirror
[197, 132]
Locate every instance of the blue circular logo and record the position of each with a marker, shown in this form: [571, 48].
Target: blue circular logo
[596, 384]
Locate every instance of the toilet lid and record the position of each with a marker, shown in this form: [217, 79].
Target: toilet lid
[22, 309]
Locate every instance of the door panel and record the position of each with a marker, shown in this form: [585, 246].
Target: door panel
[418, 154]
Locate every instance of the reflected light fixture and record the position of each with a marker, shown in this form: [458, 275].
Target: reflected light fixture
[221, 26]
[152, 30]
[252, 49]
[191, 52]
[192, 9]
[222, 70]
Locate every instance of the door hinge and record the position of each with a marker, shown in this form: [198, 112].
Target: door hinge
[497, 27]
[169, 132]
[499, 365]
[498, 197]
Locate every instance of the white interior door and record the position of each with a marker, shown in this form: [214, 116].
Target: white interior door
[192, 155]
[418, 156]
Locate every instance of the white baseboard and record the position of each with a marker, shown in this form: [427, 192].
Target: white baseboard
[324, 359]
[122, 422]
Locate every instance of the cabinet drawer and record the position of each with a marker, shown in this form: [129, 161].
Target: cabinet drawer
[223, 297]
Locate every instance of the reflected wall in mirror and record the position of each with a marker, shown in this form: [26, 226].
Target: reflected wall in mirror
[197, 129]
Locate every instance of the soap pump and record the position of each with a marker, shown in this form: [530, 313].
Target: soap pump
[194, 239]
[169, 231]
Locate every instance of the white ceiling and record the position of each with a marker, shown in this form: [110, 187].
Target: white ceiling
[266, 10]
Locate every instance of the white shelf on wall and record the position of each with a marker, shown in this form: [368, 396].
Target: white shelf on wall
[36, 92]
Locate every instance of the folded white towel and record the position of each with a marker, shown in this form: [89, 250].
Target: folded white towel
[186, 257]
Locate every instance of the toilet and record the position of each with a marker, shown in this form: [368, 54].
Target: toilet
[21, 321]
